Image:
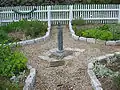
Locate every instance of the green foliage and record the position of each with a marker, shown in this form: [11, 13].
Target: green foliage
[3, 36]
[6, 84]
[35, 28]
[77, 32]
[89, 33]
[116, 81]
[99, 1]
[104, 32]
[105, 35]
[102, 71]
[98, 34]
[30, 28]
[115, 29]
[78, 22]
[104, 27]
[11, 61]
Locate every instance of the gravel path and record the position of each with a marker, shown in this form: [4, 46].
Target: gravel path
[71, 76]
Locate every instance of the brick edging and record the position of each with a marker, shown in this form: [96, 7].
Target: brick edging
[30, 80]
[94, 81]
[92, 40]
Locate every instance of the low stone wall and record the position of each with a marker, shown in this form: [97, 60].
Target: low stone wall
[30, 81]
[94, 81]
[92, 40]
[36, 40]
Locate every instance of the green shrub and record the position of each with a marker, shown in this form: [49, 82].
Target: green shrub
[104, 27]
[30, 28]
[106, 35]
[11, 61]
[98, 34]
[35, 28]
[89, 33]
[3, 36]
[103, 32]
[115, 29]
[116, 82]
[77, 32]
[78, 22]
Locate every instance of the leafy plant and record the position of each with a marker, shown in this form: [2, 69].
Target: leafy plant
[3, 36]
[35, 28]
[105, 35]
[78, 22]
[89, 33]
[102, 71]
[11, 61]
[31, 29]
[104, 27]
[98, 34]
[116, 82]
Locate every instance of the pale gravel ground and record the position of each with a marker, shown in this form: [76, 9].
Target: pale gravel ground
[71, 76]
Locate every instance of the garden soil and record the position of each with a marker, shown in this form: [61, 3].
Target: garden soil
[71, 76]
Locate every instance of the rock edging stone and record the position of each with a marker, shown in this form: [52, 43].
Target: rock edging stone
[30, 80]
[94, 81]
[92, 40]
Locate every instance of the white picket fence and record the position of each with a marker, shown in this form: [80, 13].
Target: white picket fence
[92, 13]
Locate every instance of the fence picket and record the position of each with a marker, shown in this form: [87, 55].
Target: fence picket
[101, 13]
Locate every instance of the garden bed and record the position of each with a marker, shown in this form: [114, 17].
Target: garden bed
[14, 69]
[24, 32]
[104, 72]
[108, 34]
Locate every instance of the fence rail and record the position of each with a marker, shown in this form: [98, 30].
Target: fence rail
[92, 13]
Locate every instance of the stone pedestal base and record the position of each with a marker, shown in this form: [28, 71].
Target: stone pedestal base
[56, 58]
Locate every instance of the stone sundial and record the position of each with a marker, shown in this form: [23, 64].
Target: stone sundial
[57, 56]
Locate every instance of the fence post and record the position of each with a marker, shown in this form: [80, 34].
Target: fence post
[119, 14]
[49, 16]
[71, 13]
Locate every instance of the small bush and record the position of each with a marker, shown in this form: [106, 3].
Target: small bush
[103, 32]
[105, 35]
[35, 28]
[31, 29]
[89, 33]
[11, 61]
[104, 27]
[78, 22]
[3, 36]
[116, 82]
[98, 34]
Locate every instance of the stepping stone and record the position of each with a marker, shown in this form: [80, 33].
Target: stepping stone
[57, 63]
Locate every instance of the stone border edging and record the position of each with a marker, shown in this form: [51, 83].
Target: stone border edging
[94, 81]
[32, 41]
[92, 40]
[30, 81]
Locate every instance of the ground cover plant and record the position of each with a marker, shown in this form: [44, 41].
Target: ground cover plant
[98, 31]
[12, 63]
[108, 73]
[22, 30]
